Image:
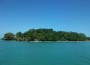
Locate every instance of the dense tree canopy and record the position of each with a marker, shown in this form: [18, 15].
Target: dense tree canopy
[9, 36]
[46, 35]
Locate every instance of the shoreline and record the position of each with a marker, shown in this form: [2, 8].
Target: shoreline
[58, 41]
[45, 41]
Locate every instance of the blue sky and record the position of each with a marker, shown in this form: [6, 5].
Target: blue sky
[64, 15]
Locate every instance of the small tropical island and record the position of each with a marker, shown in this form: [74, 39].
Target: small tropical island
[44, 34]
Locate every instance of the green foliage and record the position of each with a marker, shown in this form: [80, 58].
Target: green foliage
[47, 35]
[88, 38]
[19, 34]
[9, 36]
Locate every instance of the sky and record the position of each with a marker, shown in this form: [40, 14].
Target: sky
[60, 15]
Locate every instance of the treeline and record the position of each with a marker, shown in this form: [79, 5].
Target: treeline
[46, 35]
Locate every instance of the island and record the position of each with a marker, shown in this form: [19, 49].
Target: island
[44, 34]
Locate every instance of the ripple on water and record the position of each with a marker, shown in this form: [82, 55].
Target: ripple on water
[84, 60]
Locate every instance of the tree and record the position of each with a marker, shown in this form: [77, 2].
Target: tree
[9, 36]
[19, 34]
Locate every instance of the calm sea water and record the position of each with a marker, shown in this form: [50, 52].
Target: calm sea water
[44, 53]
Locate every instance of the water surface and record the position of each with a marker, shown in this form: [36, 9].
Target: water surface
[44, 53]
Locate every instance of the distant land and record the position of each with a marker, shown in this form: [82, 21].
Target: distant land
[44, 34]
